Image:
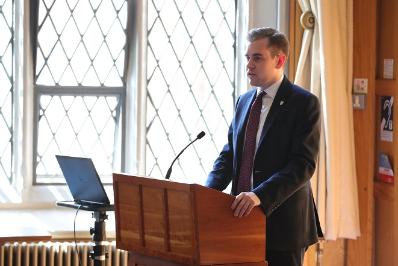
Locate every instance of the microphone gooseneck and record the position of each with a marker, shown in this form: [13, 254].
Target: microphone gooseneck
[199, 136]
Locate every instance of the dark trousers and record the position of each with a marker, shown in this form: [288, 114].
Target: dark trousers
[285, 258]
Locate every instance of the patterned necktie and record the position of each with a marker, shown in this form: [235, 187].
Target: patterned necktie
[249, 148]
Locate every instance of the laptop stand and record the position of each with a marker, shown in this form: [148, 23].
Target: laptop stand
[98, 254]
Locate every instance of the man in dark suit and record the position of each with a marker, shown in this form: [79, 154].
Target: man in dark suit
[273, 144]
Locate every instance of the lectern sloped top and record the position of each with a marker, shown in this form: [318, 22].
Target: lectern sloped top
[184, 223]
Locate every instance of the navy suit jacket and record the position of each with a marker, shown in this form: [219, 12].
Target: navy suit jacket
[284, 163]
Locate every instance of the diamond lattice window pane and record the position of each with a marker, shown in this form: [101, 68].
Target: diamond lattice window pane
[83, 14]
[191, 64]
[214, 17]
[169, 15]
[81, 42]
[179, 88]
[180, 40]
[104, 17]
[190, 83]
[223, 40]
[60, 17]
[81, 126]
[6, 87]
[191, 15]
[80, 63]
[70, 38]
[47, 37]
[57, 62]
[6, 34]
[202, 40]
[168, 63]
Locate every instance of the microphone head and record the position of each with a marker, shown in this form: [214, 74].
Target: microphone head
[201, 135]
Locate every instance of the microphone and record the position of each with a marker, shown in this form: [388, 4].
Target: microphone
[199, 136]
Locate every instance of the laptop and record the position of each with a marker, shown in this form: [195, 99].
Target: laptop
[84, 184]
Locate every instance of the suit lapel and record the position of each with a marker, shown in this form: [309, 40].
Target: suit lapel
[279, 102]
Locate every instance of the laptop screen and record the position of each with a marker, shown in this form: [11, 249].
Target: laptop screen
[83, 180]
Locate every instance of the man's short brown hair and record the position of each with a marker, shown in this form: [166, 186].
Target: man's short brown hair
[277, 41]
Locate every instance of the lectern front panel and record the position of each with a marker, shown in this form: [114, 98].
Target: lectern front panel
[129, 222]
[185, 224]
[181, 226]
[155, 218]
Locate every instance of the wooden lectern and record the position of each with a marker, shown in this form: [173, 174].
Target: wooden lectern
[161, 222]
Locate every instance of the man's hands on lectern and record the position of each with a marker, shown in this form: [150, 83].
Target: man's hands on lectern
[244, 203]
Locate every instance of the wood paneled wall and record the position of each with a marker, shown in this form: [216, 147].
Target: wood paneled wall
[295, 37]
[359, 252]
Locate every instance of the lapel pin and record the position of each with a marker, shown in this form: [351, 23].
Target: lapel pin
[281, 103]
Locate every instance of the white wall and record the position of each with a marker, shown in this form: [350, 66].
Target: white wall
[270, 13]
[264, 13]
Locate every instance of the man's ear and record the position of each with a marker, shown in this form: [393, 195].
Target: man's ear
[281, 60]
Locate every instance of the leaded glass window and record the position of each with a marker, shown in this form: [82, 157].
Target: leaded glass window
[80, 83]
[7, 27]
[190, 83]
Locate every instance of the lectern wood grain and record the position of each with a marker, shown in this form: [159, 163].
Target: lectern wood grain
[185, 224]
[223, 237]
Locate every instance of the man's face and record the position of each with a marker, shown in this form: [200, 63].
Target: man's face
[263, 69]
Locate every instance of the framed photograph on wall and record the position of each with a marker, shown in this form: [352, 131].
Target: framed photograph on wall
[386, 121]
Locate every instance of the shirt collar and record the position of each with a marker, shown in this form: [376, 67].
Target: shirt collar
[272, 89]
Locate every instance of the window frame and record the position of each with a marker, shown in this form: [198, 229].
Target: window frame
[59, 90]
[41, 90]
[25, 193]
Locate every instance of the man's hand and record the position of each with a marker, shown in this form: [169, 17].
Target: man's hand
[244, 203]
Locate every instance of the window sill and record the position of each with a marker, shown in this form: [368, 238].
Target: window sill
[57, 223]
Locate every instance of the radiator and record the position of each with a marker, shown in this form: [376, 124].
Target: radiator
[57, 254]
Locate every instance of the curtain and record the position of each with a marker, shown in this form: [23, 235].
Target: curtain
[325, 68]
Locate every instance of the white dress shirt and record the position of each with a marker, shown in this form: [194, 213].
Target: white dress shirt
[268, 98]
